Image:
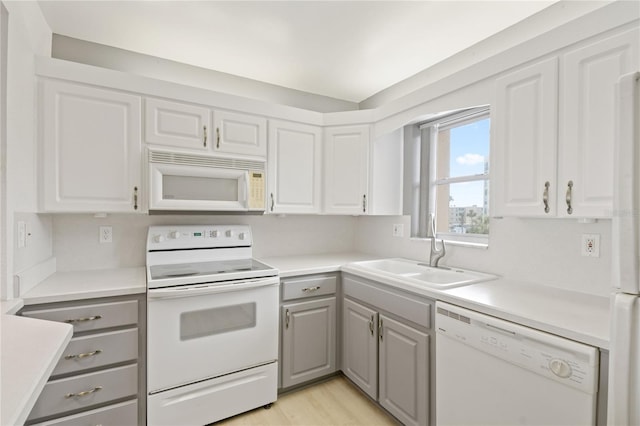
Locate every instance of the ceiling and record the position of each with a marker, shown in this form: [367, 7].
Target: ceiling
[347, 50]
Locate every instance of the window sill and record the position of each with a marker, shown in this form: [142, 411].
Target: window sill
[457, 243]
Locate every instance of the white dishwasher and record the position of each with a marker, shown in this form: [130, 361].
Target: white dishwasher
[494, 372]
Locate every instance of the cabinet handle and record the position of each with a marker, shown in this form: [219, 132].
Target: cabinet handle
[287, 318]
[568, 197]
[309, 289]
[205, 135]
[380, 328]
[545, 196]
[83, 393]
[135, 198]
[273, 203]
[85, 319]
[371, 325]
[364, 203]
[84, 355]
[218, 137]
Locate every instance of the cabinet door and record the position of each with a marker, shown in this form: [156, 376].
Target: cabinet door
[588, 128]
[308, 340]
[240, 134]
[346, 166]
[294, 168]
[360, 346]
[177, 124]
[404, 371]
[91, 149]
[524, 145]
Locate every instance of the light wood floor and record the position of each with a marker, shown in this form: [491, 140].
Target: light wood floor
[331, 403]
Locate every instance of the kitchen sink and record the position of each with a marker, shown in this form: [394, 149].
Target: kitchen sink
[420, 274]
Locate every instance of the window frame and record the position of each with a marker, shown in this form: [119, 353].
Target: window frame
[429, 210]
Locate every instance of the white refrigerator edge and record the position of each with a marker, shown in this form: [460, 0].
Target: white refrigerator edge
[623, 406]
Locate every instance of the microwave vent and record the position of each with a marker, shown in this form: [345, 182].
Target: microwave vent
[204, 161]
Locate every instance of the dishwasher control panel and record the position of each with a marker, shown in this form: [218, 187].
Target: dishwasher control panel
[563, 360]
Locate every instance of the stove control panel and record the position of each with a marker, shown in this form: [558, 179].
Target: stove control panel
[198, 236]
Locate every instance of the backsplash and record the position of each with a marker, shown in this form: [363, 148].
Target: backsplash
[543, 251]
[534, 250]
[76, 245]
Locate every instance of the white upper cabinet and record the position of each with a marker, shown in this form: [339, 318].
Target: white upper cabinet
[346, 170]
[91, 146]
[386, 174]
[294, 168]
[587, 123]
[552, 148]
[240, 134]
[524, 123]
[197, 127]
[177, 124]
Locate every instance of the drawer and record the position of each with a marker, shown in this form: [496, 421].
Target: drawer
[97, 350]
[307, 287]
[403, 306]
[125, 413]
[86, 390]
[91, 317]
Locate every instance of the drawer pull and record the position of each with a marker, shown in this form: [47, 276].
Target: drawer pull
[83, 393]
[93, 318]
[309, 289]
[84, 355]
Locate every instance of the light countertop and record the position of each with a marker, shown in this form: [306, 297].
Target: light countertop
[289, 266]
[577, 316]
[78, 285]
[31, 349]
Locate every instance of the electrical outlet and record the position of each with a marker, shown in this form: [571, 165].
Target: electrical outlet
[398, 230]
[590, 245]
[106, 234]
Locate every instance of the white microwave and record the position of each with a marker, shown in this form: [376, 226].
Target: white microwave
[189, 182]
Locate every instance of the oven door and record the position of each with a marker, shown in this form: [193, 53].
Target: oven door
[204, 331]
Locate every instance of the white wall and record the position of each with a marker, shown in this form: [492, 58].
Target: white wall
[28, 35]
[547, 19]
[76, 246]
[86, 52]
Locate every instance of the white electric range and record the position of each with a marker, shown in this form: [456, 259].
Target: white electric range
[212, 325]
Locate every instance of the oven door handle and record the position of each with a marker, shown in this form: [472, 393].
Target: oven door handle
[196, 290]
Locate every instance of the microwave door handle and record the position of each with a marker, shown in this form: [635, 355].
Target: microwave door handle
[246, 190]
[188, 291]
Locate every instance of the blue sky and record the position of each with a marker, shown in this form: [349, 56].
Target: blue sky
[469, 147]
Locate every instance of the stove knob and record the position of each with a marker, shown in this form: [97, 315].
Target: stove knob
[215, 234]
[241, 236]
[158, 238]
[174, 234]
[229, 233]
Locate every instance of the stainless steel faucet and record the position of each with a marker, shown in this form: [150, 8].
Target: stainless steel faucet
[436, 254]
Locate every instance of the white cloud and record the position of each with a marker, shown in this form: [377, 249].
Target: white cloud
[470, 159]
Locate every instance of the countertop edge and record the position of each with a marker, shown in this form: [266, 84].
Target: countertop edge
[11, 307]
[59, 334]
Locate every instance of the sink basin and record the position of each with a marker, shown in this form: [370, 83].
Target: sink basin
[419, 274]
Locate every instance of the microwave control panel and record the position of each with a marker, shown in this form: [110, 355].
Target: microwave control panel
[256, 190]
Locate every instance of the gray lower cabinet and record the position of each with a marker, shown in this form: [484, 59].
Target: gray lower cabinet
[100, 378]
[308, 329]
[385, 348]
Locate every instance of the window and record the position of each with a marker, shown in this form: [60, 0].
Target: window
[455, 176]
